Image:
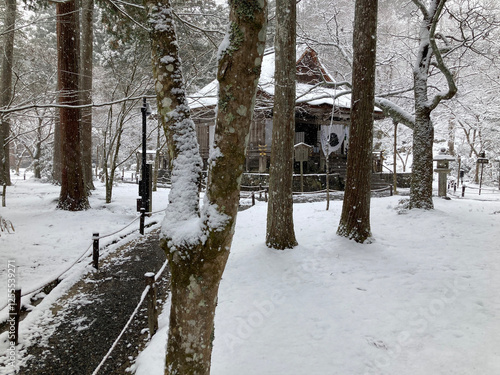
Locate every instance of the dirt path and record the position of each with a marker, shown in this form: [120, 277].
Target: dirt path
[94, 311]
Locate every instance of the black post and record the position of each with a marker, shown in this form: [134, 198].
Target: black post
[143, 186]
[17, 318]
[152, 310]
[253, 198]
[95, 252]
[481, 179]
[144, 151]
[265, 195]
[390, 189]
[463, 190]
[141, 223]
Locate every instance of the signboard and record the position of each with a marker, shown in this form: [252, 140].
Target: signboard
[302, 152]
[482, 161]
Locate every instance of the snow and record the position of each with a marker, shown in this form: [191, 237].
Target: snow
[310, 94]
[225, 44]
[421, 299]
[46, 240]
[182, 225]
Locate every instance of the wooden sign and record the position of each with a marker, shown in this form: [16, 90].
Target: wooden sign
[302, 152]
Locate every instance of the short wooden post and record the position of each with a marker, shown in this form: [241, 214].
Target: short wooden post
[17, 316]
[152, 310]
[95, 252]
[260, 191]
[265, 195]
[141, 224]
[390, 189]
[253, 198]
[463, 190]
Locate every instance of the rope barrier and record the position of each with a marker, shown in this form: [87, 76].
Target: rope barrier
[382, 189]
[33, 290]
[493, 191]
[143, 297]
[119, 230]
[310, 192]
[250, 187]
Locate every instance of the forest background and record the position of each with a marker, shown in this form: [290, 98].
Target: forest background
[466, 125]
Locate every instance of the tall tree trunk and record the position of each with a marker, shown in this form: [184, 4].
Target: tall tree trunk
[423, 140]
[87, 43]
[6, 88]
[157, 159]
[423, 131]
[355, 218]
[395, 159]
[280, 232]
[73, 195]
[37, 169]
[198, 257]
[56, 156]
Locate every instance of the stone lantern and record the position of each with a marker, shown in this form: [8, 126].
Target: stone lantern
[442, 169]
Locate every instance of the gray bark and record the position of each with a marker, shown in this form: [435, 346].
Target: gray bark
[423, 131]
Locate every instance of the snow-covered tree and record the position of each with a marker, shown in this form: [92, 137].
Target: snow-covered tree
[197, 242]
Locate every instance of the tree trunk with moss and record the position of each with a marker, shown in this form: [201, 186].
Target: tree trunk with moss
[6, 88]
[355, 218]
[280, 231]
[197, 242]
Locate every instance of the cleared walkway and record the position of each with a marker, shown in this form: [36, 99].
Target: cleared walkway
[92, 314]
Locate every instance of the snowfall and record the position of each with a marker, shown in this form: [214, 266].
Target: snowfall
[423, 298]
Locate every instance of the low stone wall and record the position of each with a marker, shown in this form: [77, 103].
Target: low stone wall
[312, 182]
[316, 182]
[403, 179]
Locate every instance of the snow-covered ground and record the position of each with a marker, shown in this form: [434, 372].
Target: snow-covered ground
[421, 299]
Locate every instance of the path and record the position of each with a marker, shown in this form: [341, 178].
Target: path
[94, 311]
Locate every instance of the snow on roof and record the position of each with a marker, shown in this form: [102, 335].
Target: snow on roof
[306, 93]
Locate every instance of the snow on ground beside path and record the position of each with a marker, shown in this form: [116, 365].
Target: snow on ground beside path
[422, 299]
[47, 240]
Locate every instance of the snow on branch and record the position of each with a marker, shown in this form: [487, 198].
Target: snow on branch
[452, 88]
[394, 111]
